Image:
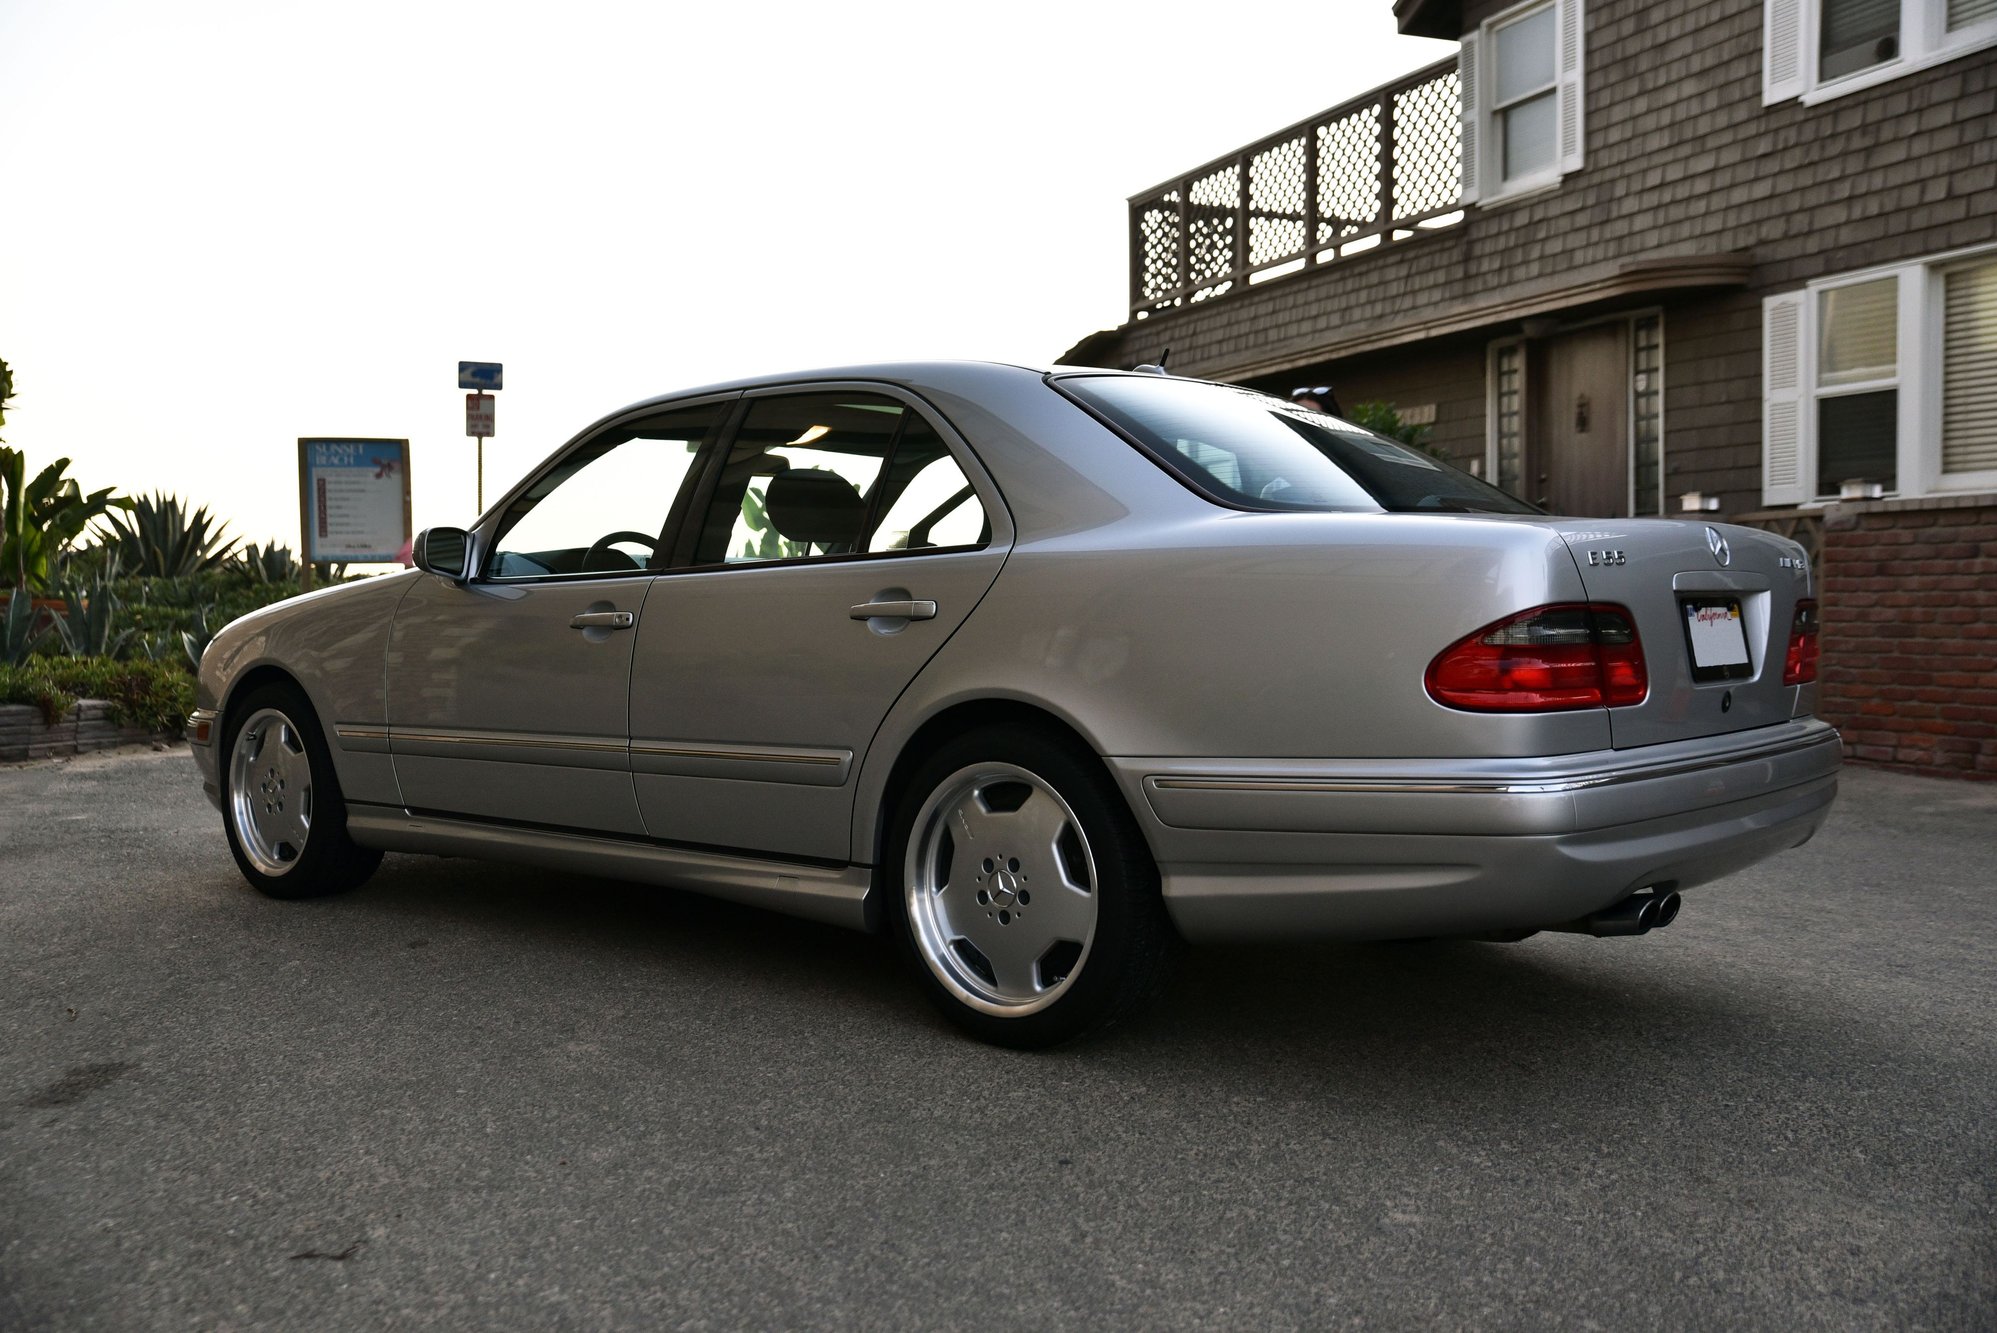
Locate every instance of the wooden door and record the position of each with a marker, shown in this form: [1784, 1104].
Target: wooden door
[1578, 462]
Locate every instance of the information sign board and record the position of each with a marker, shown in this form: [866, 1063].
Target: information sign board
[353, 499]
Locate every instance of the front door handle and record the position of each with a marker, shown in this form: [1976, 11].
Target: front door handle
[604, 620]
[920, 609]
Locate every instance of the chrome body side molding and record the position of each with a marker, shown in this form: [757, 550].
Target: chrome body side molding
[836, 895]
[751, 763]
[362, 737]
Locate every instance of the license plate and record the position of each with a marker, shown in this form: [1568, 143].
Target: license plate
[1717, 638]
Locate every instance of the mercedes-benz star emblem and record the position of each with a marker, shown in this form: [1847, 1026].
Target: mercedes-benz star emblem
[1718, 546]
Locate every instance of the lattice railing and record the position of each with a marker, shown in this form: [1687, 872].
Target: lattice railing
[1378, 169]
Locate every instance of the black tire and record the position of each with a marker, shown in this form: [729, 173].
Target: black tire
[1072, 987]
[294, 775]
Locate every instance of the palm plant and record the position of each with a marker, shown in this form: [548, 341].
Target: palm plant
[39, 518]
[161, 538]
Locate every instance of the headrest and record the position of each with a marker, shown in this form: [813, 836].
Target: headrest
[813, 505]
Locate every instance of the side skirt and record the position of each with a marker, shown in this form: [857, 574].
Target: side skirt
[837, 895]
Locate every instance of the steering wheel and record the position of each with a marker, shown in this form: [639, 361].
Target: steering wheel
[602, 545]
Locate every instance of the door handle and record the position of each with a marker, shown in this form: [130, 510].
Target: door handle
[604, 620]
[921, 609]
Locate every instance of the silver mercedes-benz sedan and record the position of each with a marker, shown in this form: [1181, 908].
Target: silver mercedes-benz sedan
[1044, 672]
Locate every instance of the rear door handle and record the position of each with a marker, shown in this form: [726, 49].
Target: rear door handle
[604, 620]
[921, 609]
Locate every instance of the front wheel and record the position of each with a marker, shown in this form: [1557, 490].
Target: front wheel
[1026, 896]
[281, 802]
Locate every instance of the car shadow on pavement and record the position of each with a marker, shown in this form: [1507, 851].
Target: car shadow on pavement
[1393, 1013]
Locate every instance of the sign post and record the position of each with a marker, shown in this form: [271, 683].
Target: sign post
[480, 376]
[353, 501]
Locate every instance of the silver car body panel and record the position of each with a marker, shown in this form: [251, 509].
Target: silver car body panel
[1255, 681]
[498, 708]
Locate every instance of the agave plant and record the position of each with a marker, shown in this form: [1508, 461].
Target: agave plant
[19, 634]
[88, 624]
[266, 564]
[161, 538]
[195, 641]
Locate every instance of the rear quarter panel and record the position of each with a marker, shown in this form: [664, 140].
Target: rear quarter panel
[1223, 635]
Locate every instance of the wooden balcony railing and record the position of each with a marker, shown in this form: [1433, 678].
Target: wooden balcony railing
[1378, 169]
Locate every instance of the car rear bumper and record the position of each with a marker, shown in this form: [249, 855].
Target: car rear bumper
[1373, 849]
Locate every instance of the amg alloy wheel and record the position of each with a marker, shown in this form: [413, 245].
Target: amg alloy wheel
[1027, 896]
[281, 802]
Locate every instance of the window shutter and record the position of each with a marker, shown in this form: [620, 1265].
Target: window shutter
[1784, 420]
[1969, 369]
[1573, 32]
[1466, 80]
[1784, 67]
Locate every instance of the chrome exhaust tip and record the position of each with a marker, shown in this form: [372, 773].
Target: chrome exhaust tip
[1638, 914]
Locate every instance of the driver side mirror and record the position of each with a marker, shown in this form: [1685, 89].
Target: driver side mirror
[445, 552]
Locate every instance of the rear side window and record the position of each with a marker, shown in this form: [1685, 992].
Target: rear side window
[1250, 451]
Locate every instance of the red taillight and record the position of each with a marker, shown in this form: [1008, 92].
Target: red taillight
[1543, 660]
[1800, 666]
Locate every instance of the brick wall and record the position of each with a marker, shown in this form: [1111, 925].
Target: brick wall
[1910, 633]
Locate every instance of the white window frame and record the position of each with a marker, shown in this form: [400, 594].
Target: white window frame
[1790, 30]
[1918, 379]
[1483, 149]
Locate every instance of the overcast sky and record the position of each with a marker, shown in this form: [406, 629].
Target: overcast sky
[224, 226]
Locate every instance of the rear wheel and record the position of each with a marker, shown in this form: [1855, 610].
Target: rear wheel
[281, 803]
[1026, 897]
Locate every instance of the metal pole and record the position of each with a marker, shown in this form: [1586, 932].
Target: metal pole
[481, 476]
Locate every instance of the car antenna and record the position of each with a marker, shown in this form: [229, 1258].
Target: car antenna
[1154, 367]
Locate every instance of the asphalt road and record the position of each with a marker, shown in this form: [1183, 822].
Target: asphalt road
[478, 1097]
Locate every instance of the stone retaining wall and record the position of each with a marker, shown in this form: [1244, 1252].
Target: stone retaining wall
[87, 727]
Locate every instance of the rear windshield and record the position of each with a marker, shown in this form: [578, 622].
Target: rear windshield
[1250, 451]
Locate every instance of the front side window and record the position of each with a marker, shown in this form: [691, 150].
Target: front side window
[1249, 451]
[836, 474]
[602, 509]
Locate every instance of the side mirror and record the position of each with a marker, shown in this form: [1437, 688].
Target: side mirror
[445, 552]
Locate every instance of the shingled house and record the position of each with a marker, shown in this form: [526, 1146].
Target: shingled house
[1629, 258]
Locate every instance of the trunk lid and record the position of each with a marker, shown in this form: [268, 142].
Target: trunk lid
[1669, 571]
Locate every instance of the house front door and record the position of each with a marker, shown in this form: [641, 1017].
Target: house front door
[1579, 451]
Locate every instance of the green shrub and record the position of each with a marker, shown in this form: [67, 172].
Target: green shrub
[155, 695]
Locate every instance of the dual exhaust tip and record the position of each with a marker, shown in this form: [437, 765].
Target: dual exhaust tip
[1638, 914]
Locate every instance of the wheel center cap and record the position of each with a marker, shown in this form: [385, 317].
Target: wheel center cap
[1005, 888]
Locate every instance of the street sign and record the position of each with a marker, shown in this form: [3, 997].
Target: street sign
[479, 414]
[353, 500]
[479, 375]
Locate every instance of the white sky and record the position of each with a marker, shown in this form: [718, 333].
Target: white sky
[227, 225]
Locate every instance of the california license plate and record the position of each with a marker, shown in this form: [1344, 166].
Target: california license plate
[1717, 638]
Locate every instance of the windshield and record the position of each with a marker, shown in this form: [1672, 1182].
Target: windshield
[1250, 451]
